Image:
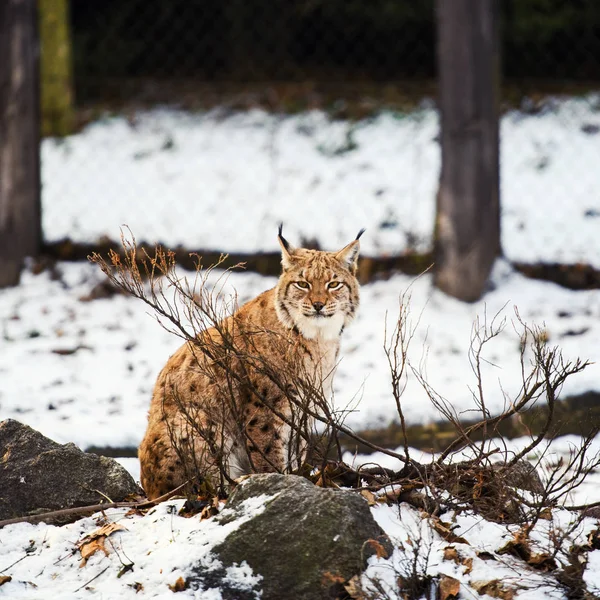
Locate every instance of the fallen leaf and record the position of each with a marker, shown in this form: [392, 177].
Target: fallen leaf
[369, 497]
[493, 588]
[330, 578]
[479, 485]
[326, 477]
[107, 529]
[446, 533]
[209, 511]
[179, 586]
[90, 548]
[5, 579]
[450, 553]
[468, 564]
[212, 509]
[354, 588]
[380, 551]
[542, 562]
[416, 498]
[449, 588]
[94, 542]
[594, 539]
[392, 495]
[205, 507]
[519, 547]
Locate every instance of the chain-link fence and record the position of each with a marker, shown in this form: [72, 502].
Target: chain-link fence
[205, 123]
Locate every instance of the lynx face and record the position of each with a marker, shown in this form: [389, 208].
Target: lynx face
[318, 291]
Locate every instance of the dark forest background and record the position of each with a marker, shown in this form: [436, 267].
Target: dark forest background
[257, 40]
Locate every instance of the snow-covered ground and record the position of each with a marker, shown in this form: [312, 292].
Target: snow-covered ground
[84, 371]
[470, 563]
[224, 182]
[160, 548]
[146, 556]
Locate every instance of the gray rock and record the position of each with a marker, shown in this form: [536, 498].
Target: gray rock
[522, 475]
[39, 475]
[305, 543]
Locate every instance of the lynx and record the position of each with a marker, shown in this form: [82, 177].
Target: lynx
[235, 400]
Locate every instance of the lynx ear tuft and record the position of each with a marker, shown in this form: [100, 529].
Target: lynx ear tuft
[287, 250]
[284, 243]
[348, 255]
[360, 233]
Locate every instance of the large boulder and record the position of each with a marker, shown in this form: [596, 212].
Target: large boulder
[304, 544]
[38, 475]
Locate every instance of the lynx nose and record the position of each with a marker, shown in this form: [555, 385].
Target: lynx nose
[318, 306]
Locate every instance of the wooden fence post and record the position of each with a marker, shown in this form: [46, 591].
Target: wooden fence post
[467, 230]
[20, 211]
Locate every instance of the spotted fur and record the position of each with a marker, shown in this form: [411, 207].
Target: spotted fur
[295, 329]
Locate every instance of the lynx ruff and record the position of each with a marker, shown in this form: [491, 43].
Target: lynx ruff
[201, 425]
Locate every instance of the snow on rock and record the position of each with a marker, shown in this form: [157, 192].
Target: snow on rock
[308, 538]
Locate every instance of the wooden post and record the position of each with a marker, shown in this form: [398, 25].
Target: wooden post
[467, 231]
[20, 212]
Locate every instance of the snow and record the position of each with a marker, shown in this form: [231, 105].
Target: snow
[131, 464]
[417, 543]
[84, 371]
[218, 181]
[592, 572]
[161, 545]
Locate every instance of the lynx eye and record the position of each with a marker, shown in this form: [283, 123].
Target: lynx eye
[303, 285]
[332, 285]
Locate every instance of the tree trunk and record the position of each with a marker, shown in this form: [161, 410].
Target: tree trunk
[467, 232]
[20, 213]
[56, 68]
